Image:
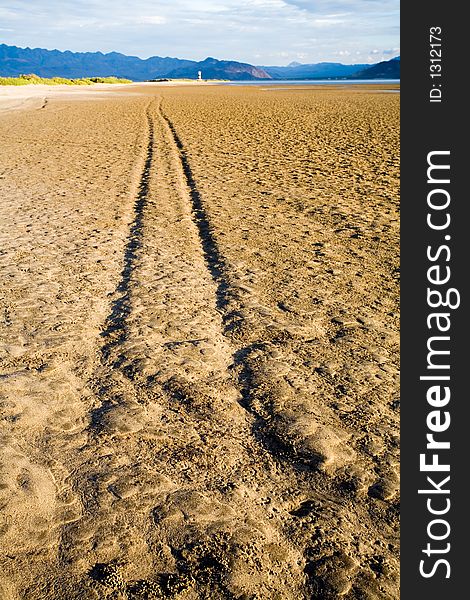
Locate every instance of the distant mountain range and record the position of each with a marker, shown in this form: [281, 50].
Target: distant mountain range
[389, 69]
[15, 61]
[385, 70]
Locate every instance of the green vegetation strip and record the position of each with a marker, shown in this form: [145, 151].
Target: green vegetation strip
[35, 80]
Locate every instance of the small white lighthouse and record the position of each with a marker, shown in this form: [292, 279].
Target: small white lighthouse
[199, 75]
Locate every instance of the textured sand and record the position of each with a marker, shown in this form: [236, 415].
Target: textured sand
[199, 355]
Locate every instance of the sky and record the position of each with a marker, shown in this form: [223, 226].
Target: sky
[260, 32]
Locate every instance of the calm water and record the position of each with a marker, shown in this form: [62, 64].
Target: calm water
[279, 82]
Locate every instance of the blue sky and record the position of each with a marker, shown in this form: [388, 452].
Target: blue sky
[262, 32]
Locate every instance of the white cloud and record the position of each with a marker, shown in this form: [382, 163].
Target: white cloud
[151, 20]
[6, 13]
[258, 31]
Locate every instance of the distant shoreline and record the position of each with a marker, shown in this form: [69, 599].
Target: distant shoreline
[93, 81]
[318, 82]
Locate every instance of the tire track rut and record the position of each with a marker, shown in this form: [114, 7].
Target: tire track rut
[115, 331]
[182, 426]
[116, 397]
[181, 430]
[214, 259]
[227, 301]
[169, 468]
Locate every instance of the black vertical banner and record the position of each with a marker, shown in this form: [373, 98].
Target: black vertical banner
[435, 257]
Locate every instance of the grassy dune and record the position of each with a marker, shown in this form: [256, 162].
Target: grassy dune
[36, 80]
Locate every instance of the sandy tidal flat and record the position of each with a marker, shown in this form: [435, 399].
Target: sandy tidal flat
[199, 345]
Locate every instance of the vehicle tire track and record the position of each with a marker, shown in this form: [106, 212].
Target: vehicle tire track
[167, 429]
[252, 352]
[116, 398]
[214, 259]
[115, 332]
[181, 429]
[228, 300]
[53, 456]
[115, 329]
[178, 441]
